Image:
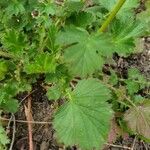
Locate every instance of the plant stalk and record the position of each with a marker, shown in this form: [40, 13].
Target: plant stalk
[112, 15]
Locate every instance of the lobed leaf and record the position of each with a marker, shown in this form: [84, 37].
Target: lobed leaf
[84, 56]
[14, 42]
[84, 119]
[42, 63]
[54, 92]
[3, 138]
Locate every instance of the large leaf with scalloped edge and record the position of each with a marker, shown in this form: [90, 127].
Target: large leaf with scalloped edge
[85, 55]
[84, 119]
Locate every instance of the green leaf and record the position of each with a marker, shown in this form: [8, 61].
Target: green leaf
[73, 6]
[48, 8]
[136, 81]
[43, 63]
[84, 119]
[124, 36]
[10, 105]
[85, 55]
[133, 73]
[71, 35]
[3, 69]
[132, 87]
[60, 74]
[81, 19]
[3, 137]
[113, 78]
[14, 42]
[138, 119]
[8, 91]
[14, 8]
[144, 17]
[54, 92]
[138, 99]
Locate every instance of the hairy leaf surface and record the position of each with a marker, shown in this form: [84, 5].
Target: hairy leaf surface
[85, 55]
[84, 119]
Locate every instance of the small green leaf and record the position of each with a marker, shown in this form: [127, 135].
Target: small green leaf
[138, 119]
[14, 8]
[138, 99]
[3, 137]
[14, 42]
[54, 92]
[136, 81]
[133, 73]
[132, 87]
[73, 6]
[84, 119]
[144, 17]
[10, 105]
[49, 8]
[113, 78]
[9, 90]
[43, 63]
[3, 69]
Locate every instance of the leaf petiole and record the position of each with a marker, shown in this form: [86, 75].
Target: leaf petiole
[112, 15]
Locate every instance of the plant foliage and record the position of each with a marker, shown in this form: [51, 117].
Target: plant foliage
[60, 41]
[80, 122]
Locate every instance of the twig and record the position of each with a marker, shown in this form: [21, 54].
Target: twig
[14, 132]
[145, 146]
[72, 85]
[8, 125]
[29, 118]
[23, 121]
[27, 96]
[118, 146]
[133, 143]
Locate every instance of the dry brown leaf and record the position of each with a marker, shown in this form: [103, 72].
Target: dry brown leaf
[138, 119]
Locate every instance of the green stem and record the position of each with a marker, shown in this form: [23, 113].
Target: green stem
[115, 90]
[147, 83]
[112, 15]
